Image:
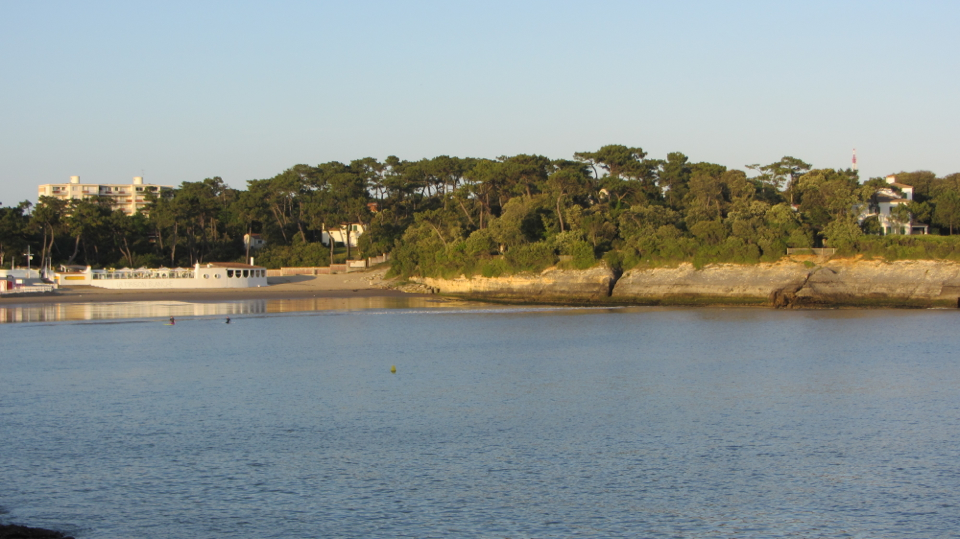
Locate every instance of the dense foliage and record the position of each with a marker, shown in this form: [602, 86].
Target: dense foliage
[446, 216]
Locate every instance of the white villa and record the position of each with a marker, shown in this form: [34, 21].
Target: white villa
[887, 199]
[212, 275]
[340, 235]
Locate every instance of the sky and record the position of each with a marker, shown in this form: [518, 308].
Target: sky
[182, 91]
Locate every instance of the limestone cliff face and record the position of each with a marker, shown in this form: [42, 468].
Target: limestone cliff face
[550, 285]
[793, 283]
[910, 282]
[718, 282]
[787, 283]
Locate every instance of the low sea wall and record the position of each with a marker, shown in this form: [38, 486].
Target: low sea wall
[350, 266]
[793, 282]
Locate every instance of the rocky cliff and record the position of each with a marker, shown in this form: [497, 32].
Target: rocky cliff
[793, 282]
[550, 285]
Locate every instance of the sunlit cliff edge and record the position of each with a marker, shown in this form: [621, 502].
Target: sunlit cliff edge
[787, 283]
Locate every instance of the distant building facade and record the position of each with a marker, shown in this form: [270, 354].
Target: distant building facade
[129, 197]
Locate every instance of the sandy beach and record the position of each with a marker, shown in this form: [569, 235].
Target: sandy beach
[359, 284]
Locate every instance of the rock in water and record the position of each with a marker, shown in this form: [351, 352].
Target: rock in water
[12, 531]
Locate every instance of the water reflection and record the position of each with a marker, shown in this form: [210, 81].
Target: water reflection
[63, 312]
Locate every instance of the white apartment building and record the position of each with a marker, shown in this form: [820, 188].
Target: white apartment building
[130, 197]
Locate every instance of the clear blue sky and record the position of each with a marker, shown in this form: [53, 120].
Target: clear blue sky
[181, 91]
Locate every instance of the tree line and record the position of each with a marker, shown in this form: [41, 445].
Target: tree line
[449, 215]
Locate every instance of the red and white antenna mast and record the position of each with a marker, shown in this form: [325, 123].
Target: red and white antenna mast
[854, 159]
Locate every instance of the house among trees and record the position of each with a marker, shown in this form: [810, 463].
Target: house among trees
[889, 207]
[353, 231]
[254, 242]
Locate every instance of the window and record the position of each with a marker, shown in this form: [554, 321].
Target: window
[246, 273]
[229, 273]
[206, 276]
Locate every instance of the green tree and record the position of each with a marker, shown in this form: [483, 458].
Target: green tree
[947, 209]
[84, 220]
[828, 195]
[47, 219]
[13, 230]
[130, 235]
[783, 175]
[674, 176]
[567, 180]
[924, 183]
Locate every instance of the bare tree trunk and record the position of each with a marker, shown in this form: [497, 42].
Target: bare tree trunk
[437, 230]
[560, 213]
[280, 222]
[348, 242]
[330, 239]
[43, 248]
[173, 246]
[465, 212]
[76, 250]
[303, 235]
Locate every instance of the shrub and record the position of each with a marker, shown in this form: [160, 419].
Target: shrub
[532, 257]
[583, 256]
[493, 268]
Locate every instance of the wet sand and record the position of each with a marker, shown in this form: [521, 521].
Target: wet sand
[346, 285]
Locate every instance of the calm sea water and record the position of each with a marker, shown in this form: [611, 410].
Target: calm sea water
[499, 422]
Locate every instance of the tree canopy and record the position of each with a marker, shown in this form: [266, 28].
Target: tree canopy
[449, 215]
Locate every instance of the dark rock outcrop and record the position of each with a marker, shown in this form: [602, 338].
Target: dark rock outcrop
[13, 531]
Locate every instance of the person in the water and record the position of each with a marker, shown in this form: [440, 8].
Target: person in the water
[172, 321]
[228, 319]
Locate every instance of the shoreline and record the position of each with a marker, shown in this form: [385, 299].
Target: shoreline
[828, 285]
[367, 284]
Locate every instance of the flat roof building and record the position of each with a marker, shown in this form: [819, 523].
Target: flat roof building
[129, 197]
